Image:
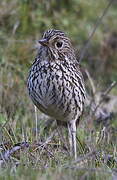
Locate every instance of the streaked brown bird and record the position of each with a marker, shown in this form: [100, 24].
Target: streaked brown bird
[55, 82]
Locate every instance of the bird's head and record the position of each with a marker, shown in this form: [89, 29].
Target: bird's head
[58, 44]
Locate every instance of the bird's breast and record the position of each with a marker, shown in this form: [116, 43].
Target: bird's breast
[55, 91]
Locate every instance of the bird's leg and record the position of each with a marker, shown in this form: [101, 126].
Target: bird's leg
[72, 138]
[62, 138]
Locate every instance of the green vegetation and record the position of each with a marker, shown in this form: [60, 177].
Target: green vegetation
[21, 24]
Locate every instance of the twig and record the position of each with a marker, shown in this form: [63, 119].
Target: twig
[109, 88]
[105, 94]
[91, 82]
[5, 156]
[83, 158]
[49, 138]
[3, 126]
[86, 46]
[86, 156]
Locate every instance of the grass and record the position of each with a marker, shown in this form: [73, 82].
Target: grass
[22, 22]
[96, 153]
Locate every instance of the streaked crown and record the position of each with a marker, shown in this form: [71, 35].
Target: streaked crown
[58, 44]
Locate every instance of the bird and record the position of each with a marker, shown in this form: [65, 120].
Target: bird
[55, 83]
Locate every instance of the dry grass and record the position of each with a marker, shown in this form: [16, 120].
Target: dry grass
[27, 151]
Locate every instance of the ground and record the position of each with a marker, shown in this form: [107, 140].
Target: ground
[28, 151]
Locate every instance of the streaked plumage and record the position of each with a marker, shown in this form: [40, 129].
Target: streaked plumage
[55, 82]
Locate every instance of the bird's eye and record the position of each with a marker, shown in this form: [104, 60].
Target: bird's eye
[59, 44]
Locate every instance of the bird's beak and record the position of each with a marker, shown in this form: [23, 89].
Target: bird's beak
[43, 42]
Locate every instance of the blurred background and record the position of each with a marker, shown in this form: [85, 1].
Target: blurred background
[22, 23]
